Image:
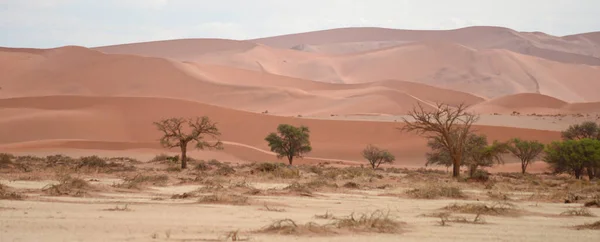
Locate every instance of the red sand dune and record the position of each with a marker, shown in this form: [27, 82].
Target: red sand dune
[106, 123]
[106, 98]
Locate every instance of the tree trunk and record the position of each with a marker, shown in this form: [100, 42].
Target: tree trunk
[472, 169]
[523, 167]
[590, 172]
[578, 173]
[183, 156]
[456, 167]
[290, 158]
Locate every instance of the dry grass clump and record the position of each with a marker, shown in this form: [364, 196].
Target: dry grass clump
[593, 203]
[224, 198]
[348, 173]
[119, 209]
[377, 221]
[68, 186]
[433, 191]
[495, 209]
[583, 212]
[447, 217]
[97, 164]
[139, 180]
[272, 209]
[7, 194]
[593, 226]
[289, 227]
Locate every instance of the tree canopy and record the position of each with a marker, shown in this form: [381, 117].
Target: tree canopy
[377, 156]
[573, 156]
[290, 141]
[526, 150]
[178, 132]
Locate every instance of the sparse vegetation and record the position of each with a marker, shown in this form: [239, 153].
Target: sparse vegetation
[584, 212]
[290, 141]
[224, 198]
[433, 191]
[68, 186]
[592, 226]
[377, 156]
[495, 209]
[139, 180]
[176, 135]
[8, 194]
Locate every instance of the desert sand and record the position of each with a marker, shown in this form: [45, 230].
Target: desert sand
[350, 86]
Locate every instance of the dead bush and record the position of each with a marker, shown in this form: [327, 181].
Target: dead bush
[433, 191]
[183, 195]
[202, 166]
[224, 198]
[225, 170]
[97, 164]
[289, 227]
[592, 226]
[377, 221]
[495, 209]
[139, 180]
[583, 212]
[59, 160]
[68, 186]
[120, 209]
[592, 203]
[351, 185]
[7, 194]
[446, 218]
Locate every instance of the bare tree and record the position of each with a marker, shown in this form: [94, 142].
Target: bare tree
[447, 125]
[176, 134]
[377, 156]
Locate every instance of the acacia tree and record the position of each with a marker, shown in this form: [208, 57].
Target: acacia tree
[377, 156]
[573, 156]
[290, 141]
[526, 150]
[176, 134]
[476, 153]
[449, 126]
[585, 130]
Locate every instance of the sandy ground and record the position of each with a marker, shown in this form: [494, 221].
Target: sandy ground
[86, 219]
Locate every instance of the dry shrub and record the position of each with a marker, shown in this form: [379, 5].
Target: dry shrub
[446, 218]
[299, 188]
[377, 221]
[225, 170]
[583, 212]
[327, 215]
[97, 164]
[351, 185]
[498, 195]
[495, 209]
[270, 209]
[593, 203]
[224, 198]
[59, 160]
[68, 186]
[234, 236]
[183, 195]
[7, 194]
[433, 191]
[165, 158]
[120, 209]
[593, 226]
[349, 173]
[139, 180]
[289, 227]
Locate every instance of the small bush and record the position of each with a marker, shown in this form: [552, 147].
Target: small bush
[55, 160]
[225, 170]
[165, 157]
[432, 191]
[92, 162]
[352, 185]
[6, 159]
[224, 198]
[173, 169]
[202, 166]
[584, 212]
[480, 175]
[495, 209]
[7, 194]
[377, 221]
[137, 181]
[68, 186]
[593, 226]
[289, 227]
[593, 203]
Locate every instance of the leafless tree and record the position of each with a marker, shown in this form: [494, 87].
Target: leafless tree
[446, 125]
[176, 134]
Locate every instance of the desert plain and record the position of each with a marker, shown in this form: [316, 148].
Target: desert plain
[82, 160]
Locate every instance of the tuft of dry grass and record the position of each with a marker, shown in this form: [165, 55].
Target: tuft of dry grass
[68, 186]
[224, 198]
[495, 209]
[433, 191]
[583, 212]
[377, 221]
[327, 215]
[271, 209]
[593, 226]
[593, 203]
[235, 236]
[446, 218]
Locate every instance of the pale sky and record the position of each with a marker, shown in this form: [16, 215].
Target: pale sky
[90, 23]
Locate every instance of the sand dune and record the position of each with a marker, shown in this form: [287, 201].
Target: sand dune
[106, 120]
[566, 49]
[534, 103]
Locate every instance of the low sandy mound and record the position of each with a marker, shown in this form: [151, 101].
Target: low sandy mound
[180, 49]
[567, 49]
[129, 120]
[525, 103]
[592, 107]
